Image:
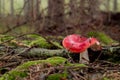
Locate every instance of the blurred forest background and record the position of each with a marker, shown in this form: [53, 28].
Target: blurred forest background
[60, 17]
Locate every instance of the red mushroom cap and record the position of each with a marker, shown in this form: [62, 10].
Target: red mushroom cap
[77, 44]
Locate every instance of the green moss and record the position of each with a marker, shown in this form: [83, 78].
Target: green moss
[29, 63]
[12, 75]
[30, 40]
[105, 39]
[56, 41]
[56, 76]
[57, 45]
[4, 38]
[56, 60]
[20, 71]
[36, 40]
[41, 42]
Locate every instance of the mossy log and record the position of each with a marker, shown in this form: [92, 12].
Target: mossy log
[41, 52]
[30, 40]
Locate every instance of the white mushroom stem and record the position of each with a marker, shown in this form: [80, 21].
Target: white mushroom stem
[84, 57]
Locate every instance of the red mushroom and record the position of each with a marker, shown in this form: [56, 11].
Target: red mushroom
[78, 44]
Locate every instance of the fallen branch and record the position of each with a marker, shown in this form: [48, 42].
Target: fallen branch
[32, 52]
[39, 52]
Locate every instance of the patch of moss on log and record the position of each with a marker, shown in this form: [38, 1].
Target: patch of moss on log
[37, 40]
[40, 41]
[104, 38]
[57, 44]
[29, 41]
[5, 40]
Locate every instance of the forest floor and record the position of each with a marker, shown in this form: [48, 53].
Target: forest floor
[99, 70]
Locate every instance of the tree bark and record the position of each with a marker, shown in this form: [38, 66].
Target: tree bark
[93, 9]
[32, 52]
[36, 9]
[108, 5]
[56, 13]
[31, 10]
[12, 7]
[28, 9]
[115, 5]
[73, 7]
[74, 12]
[0, 8]
[38, 52]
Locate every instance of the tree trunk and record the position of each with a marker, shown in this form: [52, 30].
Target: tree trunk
[74, 12]
[73, 7]
[0, 8]
[93, 8]
[55, 13]
[115, 5]
[31, 10]
[36, 8]
[28, 9]
[108, 5]
[82, 9]
[108, 10]
[12, 7]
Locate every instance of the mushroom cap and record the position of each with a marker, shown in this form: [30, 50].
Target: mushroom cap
[77, 44]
